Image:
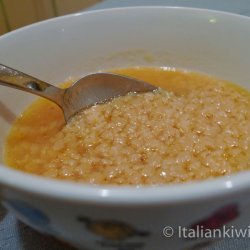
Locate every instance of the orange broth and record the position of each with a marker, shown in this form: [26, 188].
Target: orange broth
[197, 129]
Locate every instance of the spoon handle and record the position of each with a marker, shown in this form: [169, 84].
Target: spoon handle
[15, 79]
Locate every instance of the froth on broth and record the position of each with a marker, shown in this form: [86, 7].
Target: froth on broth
[194, 127]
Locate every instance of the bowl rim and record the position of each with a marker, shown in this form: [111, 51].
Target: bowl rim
[115, 9]
[122, 195]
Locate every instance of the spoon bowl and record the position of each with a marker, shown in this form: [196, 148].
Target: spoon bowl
[88, 91]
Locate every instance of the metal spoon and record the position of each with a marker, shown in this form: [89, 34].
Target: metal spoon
[86, 92]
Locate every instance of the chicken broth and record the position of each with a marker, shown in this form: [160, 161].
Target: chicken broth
[194, 127]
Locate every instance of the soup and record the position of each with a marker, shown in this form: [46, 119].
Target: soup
[194, 127]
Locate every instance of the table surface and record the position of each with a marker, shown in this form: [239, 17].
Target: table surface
[14, 235]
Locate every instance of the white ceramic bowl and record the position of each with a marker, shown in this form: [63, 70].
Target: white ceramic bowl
[83, 215]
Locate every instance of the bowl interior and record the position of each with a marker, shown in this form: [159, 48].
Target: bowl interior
[212, 42]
